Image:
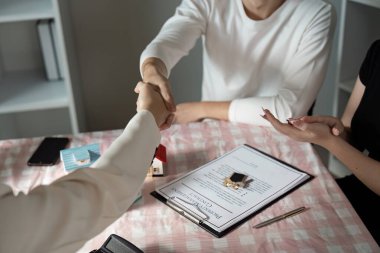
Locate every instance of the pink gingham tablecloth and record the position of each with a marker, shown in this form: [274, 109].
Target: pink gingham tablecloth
[330, 225]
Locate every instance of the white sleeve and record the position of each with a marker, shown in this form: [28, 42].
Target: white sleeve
[303, 77]
[62, 216]
[179, 34]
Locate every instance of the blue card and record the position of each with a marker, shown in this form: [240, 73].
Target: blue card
[80, 157]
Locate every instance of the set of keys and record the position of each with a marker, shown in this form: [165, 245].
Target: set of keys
[235, 181]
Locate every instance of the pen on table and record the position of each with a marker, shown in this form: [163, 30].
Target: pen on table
[281, 217]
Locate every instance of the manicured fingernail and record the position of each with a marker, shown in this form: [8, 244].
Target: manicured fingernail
[335, 131]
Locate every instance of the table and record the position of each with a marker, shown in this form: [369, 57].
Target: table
[330, 225]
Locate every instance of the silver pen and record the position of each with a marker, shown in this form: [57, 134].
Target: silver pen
[281, 217]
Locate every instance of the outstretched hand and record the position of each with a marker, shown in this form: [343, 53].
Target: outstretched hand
[313, 130]
[150, 99]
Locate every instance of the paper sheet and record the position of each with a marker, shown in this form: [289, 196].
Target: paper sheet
[202, 193]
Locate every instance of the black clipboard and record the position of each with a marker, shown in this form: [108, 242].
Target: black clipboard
[197, 219]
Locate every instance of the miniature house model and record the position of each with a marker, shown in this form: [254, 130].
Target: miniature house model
[158, 163]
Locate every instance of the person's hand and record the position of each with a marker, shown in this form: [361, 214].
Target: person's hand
[150, 99]
[335, 124]
[154, 72]
[318, 132]
[188, 112]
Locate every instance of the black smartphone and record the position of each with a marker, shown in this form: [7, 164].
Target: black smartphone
[47, 153]
[117, 244]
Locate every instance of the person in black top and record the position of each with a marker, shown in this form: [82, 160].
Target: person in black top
[358, 130]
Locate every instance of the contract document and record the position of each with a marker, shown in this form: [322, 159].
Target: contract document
[202, 197]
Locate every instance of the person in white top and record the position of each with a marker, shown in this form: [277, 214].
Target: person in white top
[256, 53]
[62, 216]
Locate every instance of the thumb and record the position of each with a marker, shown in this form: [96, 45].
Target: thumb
[300, 124]
[335, 131]
[138, 87]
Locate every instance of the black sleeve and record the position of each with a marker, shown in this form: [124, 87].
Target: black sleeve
[368, 66]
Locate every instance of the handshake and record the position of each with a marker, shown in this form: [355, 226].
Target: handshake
[150, 99]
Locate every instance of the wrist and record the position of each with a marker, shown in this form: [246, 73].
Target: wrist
[153, 66]
[331, 142]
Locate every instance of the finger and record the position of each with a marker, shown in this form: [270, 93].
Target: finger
[311, 119]
[138, 87]
[273, 120]
[335, 124]
[168, 122]
[319, 119]
[292, 120]
[300, 124]
[335, 131]
[338, 128]
[151, 86]
[288, 129]
[330, 121]
[168, 97]
[169, 102]
[170, 119]
[147, 88]
[175, 118]
[157, 90]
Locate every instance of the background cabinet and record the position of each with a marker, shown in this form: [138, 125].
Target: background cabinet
[30, 104]
[357, 27]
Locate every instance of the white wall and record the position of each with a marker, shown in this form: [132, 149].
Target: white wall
[324, 103]
[110, 36]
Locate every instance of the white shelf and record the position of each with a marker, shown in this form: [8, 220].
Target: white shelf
[347, 86]
[22, 10]
[28, 91]
[337, 169]
[27, 97]
[372, 3]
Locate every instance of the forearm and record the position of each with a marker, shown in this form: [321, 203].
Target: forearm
[179, 34]
[81, 204]
[216, 110]
[249, 110]
[196, 111]
[363, 167]
[138, 140]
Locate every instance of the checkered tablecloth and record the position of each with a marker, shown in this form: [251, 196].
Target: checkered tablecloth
[330, 225]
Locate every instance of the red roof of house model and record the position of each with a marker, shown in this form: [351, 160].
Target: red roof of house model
[161, 153]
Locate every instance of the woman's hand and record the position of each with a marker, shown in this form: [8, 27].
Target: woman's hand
[314, 130]
[335, 124]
